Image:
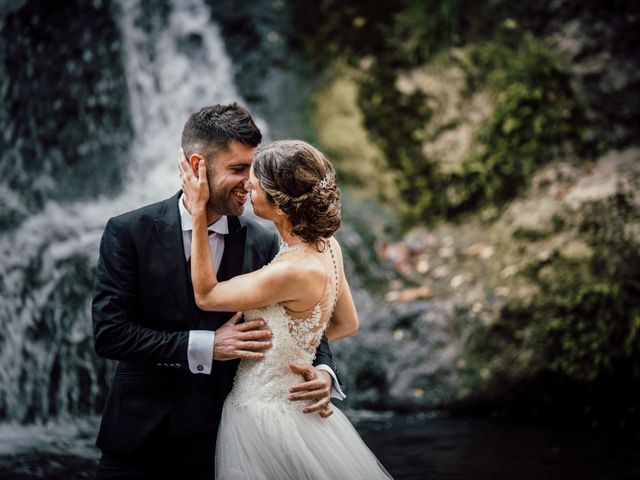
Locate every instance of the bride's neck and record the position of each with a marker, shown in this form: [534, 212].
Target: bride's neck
[285, 230]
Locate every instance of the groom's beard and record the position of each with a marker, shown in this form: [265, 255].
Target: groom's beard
[225, 202]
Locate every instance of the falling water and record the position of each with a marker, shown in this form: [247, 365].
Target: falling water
[48, 365]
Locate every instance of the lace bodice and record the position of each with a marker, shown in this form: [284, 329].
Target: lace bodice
[294, 340]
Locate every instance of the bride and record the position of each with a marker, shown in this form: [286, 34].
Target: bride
[301, 294]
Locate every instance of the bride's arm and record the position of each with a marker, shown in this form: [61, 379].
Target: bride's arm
[344, 321]
[267, 286]
[203, 274]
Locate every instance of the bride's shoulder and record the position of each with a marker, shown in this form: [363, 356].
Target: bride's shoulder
[335, 246]
[333, 242]
[302, 266]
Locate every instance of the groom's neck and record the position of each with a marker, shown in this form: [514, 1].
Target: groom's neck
[212, 217]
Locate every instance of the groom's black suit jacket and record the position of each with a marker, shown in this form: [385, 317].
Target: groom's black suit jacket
[143, 309]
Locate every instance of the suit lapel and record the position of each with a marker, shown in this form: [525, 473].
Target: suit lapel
[169, 232]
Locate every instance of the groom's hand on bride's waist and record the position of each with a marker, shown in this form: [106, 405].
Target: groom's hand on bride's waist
[316, 388]
[241, 340]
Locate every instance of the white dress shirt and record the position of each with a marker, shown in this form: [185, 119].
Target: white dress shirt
[200, 349]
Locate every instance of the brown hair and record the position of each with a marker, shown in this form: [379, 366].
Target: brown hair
[212, 128]
[300, 180]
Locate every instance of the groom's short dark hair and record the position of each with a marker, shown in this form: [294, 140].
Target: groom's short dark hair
[210, 129]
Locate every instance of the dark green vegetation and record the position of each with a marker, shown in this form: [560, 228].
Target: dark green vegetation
[536, 117]
[588, 312]
[535, 120]
[575, 345]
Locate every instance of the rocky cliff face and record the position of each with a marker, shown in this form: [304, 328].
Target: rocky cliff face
[517, 151]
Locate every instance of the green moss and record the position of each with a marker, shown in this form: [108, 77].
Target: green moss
[535, 120]
[584, 325]
[395, 122]
[535, 117]
[407, 33]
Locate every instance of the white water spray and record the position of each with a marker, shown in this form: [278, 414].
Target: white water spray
[47, 364]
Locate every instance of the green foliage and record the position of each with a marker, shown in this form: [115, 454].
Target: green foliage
[584, 325]
[425, 27]
[535, 119]
[348, 29]
[587, 330]
[395, 121]
[402, 33]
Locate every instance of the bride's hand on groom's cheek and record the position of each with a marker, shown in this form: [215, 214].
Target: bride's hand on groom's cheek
[316, 388]
[195, 187]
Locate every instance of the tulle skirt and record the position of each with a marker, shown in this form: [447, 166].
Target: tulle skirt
[272, 442]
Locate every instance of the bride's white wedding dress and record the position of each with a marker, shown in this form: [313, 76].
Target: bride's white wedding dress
[263, 435]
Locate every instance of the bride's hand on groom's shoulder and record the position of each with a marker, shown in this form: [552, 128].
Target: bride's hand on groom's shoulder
[195, 188]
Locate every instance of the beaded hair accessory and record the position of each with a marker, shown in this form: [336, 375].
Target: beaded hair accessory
[326, 181]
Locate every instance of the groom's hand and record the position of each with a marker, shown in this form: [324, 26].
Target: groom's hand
[241, 340]
[316, 388]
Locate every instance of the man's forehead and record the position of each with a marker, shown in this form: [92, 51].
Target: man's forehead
[237, 152]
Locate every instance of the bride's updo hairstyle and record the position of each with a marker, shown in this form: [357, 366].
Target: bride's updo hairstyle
[301, 182]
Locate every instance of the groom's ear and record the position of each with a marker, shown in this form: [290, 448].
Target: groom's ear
[194, 160]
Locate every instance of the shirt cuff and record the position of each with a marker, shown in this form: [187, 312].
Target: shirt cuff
[336, 390]
[200, 351]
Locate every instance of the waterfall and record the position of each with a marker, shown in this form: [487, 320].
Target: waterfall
[48, 365]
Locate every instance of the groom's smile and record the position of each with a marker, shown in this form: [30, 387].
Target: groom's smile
[227, 177]
[241, 194]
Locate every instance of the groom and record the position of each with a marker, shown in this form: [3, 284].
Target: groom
[176, 362]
